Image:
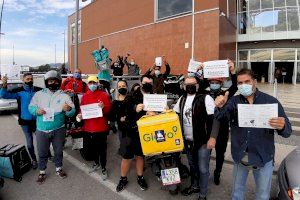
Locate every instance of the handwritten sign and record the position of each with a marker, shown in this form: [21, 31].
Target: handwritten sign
[91, 111]
[216, 69]
[155, 102]
[193, 66]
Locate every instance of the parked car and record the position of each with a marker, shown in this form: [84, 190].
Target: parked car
[289, 177]
[10, 104]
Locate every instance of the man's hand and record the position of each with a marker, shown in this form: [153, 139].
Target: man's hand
[211, 143]
[200, 67]
[164, 60]
[40, 111]
[4, 81]
[277, 123]
[231, 66]
[79, 117]
[139, 108]
[221, 100]
[101, 104]
[66, 108]
[122, 119]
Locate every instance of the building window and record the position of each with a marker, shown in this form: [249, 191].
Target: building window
[171, 8]
[73, 32]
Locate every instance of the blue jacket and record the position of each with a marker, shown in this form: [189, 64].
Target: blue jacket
[258, 142]
[23, 95]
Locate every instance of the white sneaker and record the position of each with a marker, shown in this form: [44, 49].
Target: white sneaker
[104, 174]
[94, 168]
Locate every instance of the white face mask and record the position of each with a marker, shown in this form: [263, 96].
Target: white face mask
[132, 63]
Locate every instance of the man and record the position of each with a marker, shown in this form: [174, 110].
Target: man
[130, 143]
[251, 148]
[196, 116]
[158, 77]
[222, 140]
[51, 106]
[97, 129]
[133, 68]
[27, 121]
[118, 66]
[74, 84]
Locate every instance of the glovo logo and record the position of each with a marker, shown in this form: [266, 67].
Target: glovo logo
[160, 135]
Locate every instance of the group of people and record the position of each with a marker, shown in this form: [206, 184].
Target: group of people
[206, 111]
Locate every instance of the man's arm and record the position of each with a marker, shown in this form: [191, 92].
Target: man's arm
[168, 70]
[233, 88]
[8, 95]
[33, 106]
[287, 129]
[224, 108]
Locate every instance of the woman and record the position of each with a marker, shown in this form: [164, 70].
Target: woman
[96, 129]
[117, 113]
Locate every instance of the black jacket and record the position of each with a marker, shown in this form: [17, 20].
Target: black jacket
[202, 122]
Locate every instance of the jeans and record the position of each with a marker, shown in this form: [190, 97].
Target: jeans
[44, 139]
[262, 177]
[199, 169]
[28, 132]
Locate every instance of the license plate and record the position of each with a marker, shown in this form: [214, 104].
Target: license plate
[170, 176]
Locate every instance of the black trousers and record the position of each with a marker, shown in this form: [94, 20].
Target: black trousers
[98, 142]
[221, 145]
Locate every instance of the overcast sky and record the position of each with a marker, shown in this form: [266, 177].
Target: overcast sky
[34, 27]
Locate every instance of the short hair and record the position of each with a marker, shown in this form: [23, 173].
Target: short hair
[133, 86]
[27, 74]
[146, 76]
[245, 71]
[124, 81]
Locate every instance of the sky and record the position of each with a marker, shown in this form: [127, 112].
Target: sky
[34, 27]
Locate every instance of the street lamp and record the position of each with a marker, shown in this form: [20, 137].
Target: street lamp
[64, 33]
[76, 34]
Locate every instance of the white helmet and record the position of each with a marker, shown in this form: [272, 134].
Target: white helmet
[52, 75]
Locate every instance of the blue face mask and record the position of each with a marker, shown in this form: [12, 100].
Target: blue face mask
[245, 90]
[215, 86]
[93, 87]
[77, 75]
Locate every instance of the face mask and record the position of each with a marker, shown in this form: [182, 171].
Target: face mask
[147, 87]
[29, 84]
[132, 63]
[53, 87]
[215, 86]
[122, 91]
[77, 75]
[93, 87]
[157, 72]
[245, 90]
[191, 89]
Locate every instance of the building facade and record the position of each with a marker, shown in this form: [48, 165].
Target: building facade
[268, 39]
[178, 29]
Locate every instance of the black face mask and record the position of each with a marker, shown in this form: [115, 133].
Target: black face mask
[122, 91]
[147, 87]
[30, 83]
[53, 87]
[191, 89]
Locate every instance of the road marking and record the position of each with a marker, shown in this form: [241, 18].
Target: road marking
[108, 184]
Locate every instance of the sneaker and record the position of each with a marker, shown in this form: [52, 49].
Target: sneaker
[121, 185]
[216, 177]
[94, 168]
[104, 174]
[142, 183]
[190, 190]
[41, 179]
[61, 174]
[34, 164]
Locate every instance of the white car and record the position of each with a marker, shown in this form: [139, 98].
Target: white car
[10, 104]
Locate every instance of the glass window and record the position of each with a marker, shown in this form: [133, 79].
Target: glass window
[284, 54]
[279, 3]
[242, 23]
[254, 23]
[168, 8]
[280, 19]
[254, 5]
[291, 2]
[293, 19]
[266, 4]
[243, 65]
[260, 55]
[243, 55]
